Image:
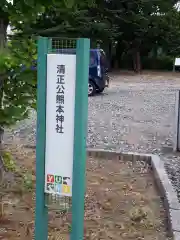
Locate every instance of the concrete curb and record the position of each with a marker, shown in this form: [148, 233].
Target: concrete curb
[163, 183]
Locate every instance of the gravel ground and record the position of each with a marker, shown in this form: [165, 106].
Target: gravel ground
[135, 114]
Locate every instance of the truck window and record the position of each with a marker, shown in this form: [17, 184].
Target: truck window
[92, 61]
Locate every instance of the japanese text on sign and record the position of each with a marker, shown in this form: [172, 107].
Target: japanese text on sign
[60, 88]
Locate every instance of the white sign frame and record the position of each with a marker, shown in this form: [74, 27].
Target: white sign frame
[59, 146]
[177, 62]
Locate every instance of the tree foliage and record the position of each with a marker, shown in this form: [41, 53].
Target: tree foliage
[18, 91]
[136, 26]
[17, 80]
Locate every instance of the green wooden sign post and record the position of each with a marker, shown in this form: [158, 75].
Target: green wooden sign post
[41, 218]
[81, 113]
[79, 141]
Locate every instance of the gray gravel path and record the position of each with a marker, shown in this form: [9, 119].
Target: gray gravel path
[135, 114]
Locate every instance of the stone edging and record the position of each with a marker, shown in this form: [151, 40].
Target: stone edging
[164, 185]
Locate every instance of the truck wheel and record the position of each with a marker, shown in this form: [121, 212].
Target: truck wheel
[91, 88]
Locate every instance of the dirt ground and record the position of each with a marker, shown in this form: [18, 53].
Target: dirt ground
[121, 202]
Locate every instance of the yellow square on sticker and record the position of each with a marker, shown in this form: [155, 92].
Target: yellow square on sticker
[66, 189]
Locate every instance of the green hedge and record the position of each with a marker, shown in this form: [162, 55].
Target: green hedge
[152, 63]
[159, 63]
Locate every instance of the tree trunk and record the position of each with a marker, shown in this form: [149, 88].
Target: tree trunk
[3, 34]
[1, 153]
[2, 171]
[4, 22]
[137, 61]
[3, 39]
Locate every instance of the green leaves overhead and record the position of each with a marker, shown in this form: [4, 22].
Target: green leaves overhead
[19, 83]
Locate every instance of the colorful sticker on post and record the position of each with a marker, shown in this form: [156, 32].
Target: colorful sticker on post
[59, 185]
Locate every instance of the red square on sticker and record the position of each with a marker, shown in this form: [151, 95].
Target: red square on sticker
[50, 178]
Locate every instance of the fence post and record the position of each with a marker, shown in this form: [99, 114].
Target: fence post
[177, 123]
[41, 215]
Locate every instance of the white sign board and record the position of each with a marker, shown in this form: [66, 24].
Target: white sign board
[60, 104]
[177, 62]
